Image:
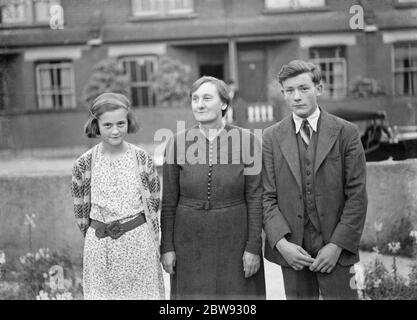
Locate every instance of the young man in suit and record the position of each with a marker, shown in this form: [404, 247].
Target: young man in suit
[315, 201]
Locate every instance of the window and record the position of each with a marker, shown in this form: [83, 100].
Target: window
[25, 11]
[293, 4]
[55, 85]
[332, 63]
[405, 69]
[161, 7]
[140, 71]
[5, 79]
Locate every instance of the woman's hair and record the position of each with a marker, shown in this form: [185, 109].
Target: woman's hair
[222, 89]
[109, 102]
[297, 67]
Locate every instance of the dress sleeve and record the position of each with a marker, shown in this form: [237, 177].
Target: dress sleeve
[253, 193]
[170, 195]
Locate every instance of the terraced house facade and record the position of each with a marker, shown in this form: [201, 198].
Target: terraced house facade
[48, 49]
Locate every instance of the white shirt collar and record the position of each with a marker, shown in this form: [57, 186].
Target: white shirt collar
[213, 136]
[312, 120]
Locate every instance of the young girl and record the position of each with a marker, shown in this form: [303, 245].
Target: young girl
[116, 192]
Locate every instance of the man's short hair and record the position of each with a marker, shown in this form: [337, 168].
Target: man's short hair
[297, 67]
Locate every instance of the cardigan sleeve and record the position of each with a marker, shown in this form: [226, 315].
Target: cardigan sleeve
[78, 194]
[170, 195]
[154, 185]
[253, 193]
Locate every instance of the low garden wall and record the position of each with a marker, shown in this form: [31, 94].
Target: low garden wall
[392, 209]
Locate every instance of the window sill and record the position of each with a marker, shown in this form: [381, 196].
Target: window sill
[403, 5]
[21, 112]
[296, 10]
[24, 25]
[159, 17]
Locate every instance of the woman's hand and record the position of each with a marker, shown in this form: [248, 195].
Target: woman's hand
[168, 260]
[251, 263]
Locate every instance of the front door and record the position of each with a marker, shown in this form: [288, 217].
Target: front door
[252, 75]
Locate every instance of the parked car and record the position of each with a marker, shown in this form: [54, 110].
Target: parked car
[380, 140]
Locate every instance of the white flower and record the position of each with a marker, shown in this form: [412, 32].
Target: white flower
[2, 257]
[37, 256]
[394, 247]
[377, 283]
[42, 296]
[64, 296]
[45, 275]
[30, 220]
[413, 234]
[378, 226]
[22, 260]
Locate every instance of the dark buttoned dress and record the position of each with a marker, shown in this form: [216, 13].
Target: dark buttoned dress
[211, 214]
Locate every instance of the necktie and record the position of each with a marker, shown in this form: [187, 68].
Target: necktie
[305, 132]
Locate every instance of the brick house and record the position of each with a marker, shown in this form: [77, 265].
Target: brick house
[46, 57]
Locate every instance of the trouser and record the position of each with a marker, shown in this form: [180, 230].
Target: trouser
[305, 284]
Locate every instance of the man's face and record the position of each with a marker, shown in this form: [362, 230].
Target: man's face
[301, 93]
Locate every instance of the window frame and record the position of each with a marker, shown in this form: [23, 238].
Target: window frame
[30, 14]
[298, 7]
[396, 71]
[405, 3]
[40, 94]
[336, 59]
[163, 10]
[141, 84]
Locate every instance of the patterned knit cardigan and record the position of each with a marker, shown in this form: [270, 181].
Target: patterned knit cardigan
[81, 191]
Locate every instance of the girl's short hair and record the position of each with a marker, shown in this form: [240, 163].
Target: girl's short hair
[108, 102]
[222, 89]
[297, 67]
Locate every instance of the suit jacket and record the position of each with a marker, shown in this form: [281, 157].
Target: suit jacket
[339, 181]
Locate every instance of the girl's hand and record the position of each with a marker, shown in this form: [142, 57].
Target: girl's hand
[168, 260]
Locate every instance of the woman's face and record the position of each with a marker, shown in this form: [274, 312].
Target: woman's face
[207, 105]
[113, 126]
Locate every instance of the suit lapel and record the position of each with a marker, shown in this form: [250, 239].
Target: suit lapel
[288, 142]
[327, 135]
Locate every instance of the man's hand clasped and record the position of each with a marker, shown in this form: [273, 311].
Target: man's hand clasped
[298, 258]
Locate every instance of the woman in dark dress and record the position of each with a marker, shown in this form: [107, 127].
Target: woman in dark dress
[211, 217]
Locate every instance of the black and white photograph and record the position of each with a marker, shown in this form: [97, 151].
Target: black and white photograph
[225, 152]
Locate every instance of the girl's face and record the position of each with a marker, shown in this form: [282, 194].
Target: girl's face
[206, 104]
[113, 126]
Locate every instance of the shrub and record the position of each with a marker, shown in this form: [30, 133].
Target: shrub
[171, 83]
[380, 284]
[108, 76]
[41, 275]
[363, 87]
[399, 232]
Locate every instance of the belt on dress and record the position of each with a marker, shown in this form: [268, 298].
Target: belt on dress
[116, 229]
[207, 205]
